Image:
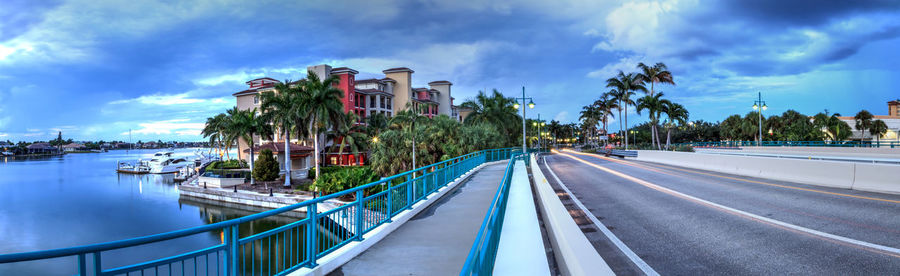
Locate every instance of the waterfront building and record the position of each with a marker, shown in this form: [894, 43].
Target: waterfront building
[387, 95]
[892, 120]
[73, 147]
[41, 148]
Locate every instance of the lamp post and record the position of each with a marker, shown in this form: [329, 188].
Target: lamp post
[530, 105]
[540, 130]
[759, 105]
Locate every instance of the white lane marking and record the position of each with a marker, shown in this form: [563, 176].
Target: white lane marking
[890, 250]
[612, 237]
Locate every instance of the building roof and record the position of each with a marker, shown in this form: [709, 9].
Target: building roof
[341, 70]
[73, 146]
[368, 81]
[278, 147]
[372, 91]
[41, 145]
[388, 80]
[440, 82]
[263, 78]
[397, 70]
[894, 102]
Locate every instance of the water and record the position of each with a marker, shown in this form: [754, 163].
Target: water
[79, 199]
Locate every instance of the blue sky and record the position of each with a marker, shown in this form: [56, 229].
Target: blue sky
[95, 69]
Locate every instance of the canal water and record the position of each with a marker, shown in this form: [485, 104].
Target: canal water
[79, 199]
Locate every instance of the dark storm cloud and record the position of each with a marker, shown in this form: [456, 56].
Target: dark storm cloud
[802, 12]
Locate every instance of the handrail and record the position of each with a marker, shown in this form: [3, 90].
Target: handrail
[384, 204]
[480, 260]
[864, 144]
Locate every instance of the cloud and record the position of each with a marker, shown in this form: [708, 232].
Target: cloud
[625, 64]
[172, 99]
[177, 126]
[561, 116]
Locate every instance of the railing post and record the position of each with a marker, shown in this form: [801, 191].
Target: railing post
[231, 250]
[311, 241]
[410, 190]
[360, 210]
[390, 203]
[98, 268]
[82, 266]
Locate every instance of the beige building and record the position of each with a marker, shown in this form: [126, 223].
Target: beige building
[892, 120]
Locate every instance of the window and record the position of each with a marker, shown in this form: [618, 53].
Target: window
[382, 102]
[255, 99]
[372, 101]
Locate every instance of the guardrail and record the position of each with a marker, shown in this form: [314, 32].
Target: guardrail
[815, 157]
[480, 260]
[859, 144]
[288, 247]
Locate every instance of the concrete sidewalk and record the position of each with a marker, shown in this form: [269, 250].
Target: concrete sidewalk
[437, 240]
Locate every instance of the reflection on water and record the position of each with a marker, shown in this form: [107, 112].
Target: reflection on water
[78, 199]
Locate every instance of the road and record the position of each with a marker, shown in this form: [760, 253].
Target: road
[684, 221]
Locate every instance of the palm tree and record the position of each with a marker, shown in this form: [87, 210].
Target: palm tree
[233, 129]
[406, 120]
[878, 129]
[654, 106]
[591, 115]
[252, 124]
[658, 73]
[606, 103]
[213, 130]
[497, 110]
[351, 134]
[625, 86]
[863, 122]
[320, 103]
[376, 123]
[678, 115]
[832, 126]
[280, 109]
[554, 127]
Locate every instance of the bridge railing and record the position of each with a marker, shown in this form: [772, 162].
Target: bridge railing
[862, 144]
[286, 248]
[480, 260]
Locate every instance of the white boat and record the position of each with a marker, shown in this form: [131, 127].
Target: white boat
[163, 162]
[7, 153]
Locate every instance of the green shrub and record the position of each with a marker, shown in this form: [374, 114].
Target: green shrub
[684, 148]
[228, 164]
[342, 178]
[325, 170]
[265, 168]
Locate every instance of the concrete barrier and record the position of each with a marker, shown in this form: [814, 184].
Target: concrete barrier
[572, 250]
[877, 178]
[846, 175]
[521, 249]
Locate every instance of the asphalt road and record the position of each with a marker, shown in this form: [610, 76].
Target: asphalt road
[684, 221]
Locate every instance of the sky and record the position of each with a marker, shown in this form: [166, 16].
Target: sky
[97, 69]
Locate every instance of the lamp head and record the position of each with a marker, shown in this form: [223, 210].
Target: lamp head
[755, 107]
[516, 105]
[530, 104]
[765, 107]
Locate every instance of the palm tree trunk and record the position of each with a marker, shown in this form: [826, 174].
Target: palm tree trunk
[620, 120]
[668, 136]
[626, 127]
[252, 177]
[316, 152]
[287, 156]
[414, 148]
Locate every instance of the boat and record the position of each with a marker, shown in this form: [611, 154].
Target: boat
[163, 162]
[7, 153]
[140, 168]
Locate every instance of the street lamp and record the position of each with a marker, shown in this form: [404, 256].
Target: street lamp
[759, 105]
[516, 106]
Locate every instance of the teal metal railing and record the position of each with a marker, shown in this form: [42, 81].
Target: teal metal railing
[286, 248]
[480, 260]
[733, 144]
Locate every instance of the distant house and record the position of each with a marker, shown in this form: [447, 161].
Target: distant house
[6, 145]
[150, 145]
[41, 148]
[73, 147]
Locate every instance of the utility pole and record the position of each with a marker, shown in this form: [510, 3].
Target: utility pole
[759, 105]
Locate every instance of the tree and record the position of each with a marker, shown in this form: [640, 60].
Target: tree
[590, 115]
[213, 130]
[320, 103]
[497, 110]
[280, 108]
[878, 129]
[350, 134]
[406, 120]
[832, 126]
[266, 168]
[376, 123]
[625, 86]
[654, 106]
[677, 114]
[863, 122]
[250, 124]
[606, 103]
[658, 73]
